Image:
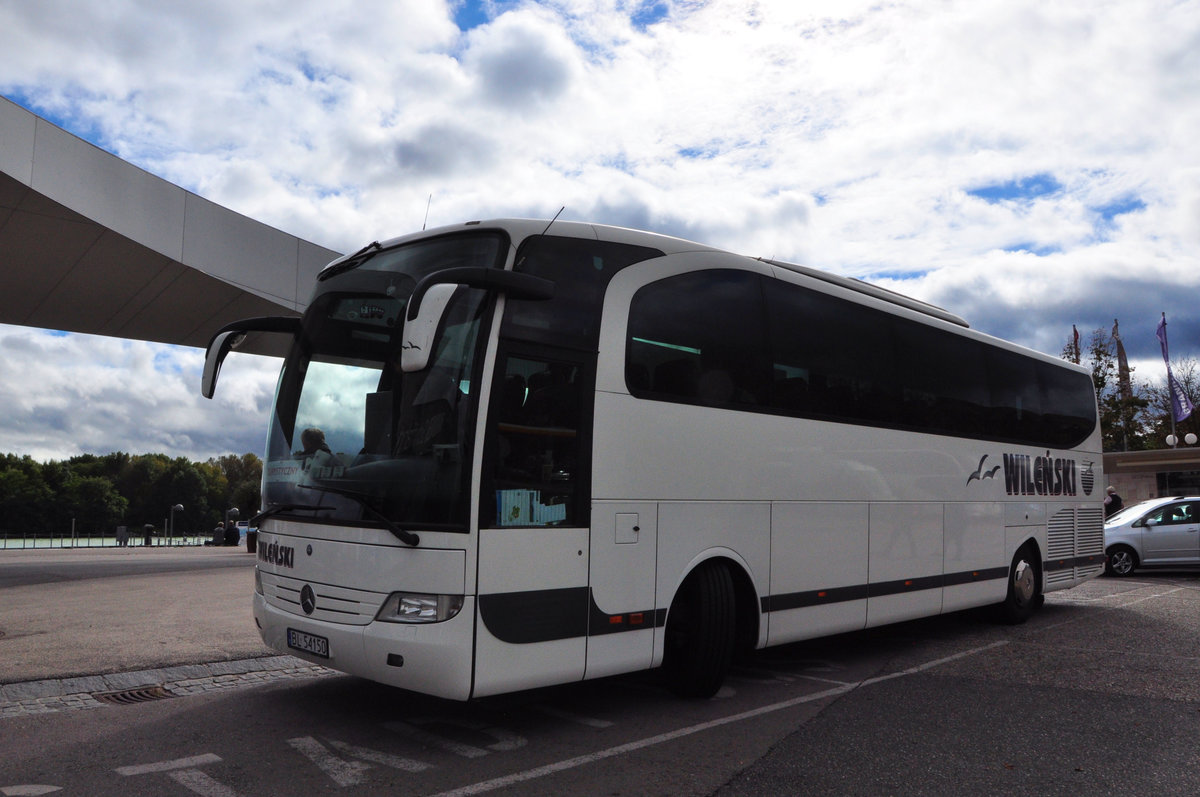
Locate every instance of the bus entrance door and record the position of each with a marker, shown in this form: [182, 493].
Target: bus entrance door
[533, 564]
[621, 616]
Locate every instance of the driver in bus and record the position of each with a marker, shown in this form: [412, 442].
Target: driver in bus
[315, 453]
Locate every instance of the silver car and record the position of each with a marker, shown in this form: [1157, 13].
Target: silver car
[1161, 531]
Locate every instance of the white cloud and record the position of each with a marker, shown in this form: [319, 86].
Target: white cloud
[76, 394]
[845, 135]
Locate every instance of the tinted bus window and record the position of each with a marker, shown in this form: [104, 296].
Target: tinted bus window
[581, 270]
[698, 338]
[831, 359]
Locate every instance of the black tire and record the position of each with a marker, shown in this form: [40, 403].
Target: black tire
[700, 632]
[1121, 561]
[1024, 587]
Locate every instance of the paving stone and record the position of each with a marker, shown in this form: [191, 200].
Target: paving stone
[76, 694]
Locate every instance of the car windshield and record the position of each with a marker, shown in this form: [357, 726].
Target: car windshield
[353, 437]
[1131, 513]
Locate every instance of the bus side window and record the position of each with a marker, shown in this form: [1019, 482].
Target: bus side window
[699, 338]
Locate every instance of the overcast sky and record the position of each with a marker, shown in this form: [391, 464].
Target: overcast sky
[1027, 164]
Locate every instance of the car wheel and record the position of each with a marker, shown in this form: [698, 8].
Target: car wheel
[1024, 587]
[1121, 561]
[700, 632]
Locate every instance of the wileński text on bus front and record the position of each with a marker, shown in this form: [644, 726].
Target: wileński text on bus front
[279, 555]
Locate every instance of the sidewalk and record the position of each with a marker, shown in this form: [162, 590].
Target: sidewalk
[76, 627]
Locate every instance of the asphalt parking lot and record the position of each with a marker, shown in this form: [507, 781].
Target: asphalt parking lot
[1099, 693]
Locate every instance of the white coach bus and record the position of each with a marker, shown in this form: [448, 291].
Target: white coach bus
[508, 454]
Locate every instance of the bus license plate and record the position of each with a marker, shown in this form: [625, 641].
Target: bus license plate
[309, 643]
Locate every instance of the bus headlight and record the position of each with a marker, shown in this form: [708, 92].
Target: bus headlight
[412, 607]
[258, 581]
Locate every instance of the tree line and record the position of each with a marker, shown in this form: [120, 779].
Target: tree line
[1134, 414]
[98, 493]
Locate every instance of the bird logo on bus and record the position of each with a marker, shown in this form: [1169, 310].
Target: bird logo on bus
[980, 474]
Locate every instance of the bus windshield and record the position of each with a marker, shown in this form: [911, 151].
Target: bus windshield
[353, 438]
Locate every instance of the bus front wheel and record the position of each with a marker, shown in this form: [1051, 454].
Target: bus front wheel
[700, 632]
[1024, 587]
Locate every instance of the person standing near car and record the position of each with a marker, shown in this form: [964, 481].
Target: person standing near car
[1112, 502]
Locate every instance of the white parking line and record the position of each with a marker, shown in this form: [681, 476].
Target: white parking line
[558, 713]
[1075, 596]
[167, 766]
[822, 680]
[1112, 606]
[572, 763]
[342, 772]
[199, 783]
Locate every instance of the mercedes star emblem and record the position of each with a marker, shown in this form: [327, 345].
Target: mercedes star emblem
[308, 599]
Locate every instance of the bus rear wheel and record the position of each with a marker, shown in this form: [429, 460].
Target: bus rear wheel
[700, 632]
[1024, 587]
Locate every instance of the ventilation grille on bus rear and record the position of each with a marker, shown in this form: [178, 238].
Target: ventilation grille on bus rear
[1073, 533]
[1060, 535]
[1090, 531]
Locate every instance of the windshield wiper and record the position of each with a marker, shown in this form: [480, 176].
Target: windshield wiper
[354, 261]
[405, 536]
[275, 509]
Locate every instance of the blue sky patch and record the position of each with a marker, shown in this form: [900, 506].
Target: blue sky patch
[1023, 189]
[1129, 204]
[649, 13]
[62, 117]
[167, 361]
[471, 14]
[698, 153]
[620, 162]
[1041, 250]
[895, 275]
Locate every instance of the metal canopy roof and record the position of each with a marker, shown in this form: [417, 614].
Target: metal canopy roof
[90, 243]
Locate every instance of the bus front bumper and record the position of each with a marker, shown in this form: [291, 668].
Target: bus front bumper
[430, 658]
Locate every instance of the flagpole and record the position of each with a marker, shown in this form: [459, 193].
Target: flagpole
[1124, 384]
[1181, 406]
[1170, 397]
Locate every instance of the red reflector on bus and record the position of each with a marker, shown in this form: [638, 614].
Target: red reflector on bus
[616, 619]
[822, 594]
[636, 619]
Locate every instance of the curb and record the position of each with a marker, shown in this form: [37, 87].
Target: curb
[59, 694]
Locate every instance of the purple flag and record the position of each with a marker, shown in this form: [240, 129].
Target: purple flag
[1181, 405]
[1124, 382]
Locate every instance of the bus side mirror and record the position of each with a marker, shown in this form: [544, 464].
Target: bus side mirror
[230, 336]
[429, 299]
[417, 345]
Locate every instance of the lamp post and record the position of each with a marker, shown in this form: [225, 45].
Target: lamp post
[1173, 441]
[171, 531]
[230, 514]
